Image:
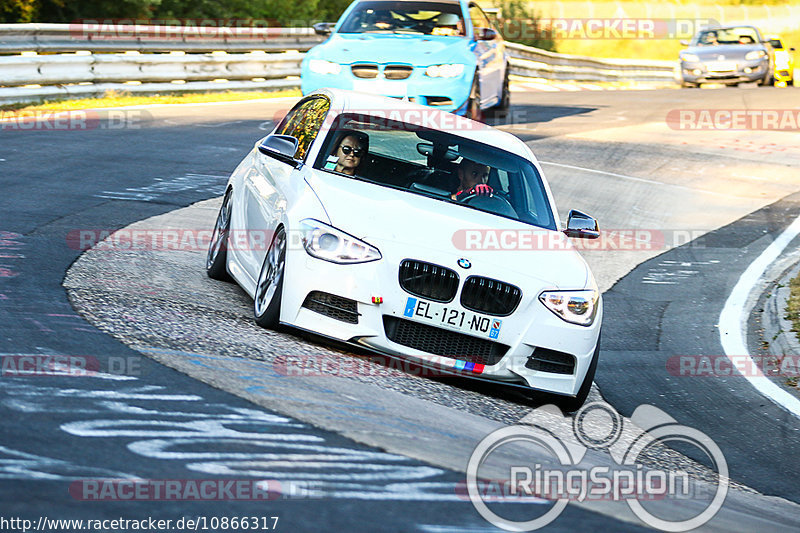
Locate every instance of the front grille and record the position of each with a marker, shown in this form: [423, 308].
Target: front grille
[551, 361]
[486, 295]
[397, 72]
[364, 70]
[332, 306]
[427, 280]
[443, 342]
[783, 73]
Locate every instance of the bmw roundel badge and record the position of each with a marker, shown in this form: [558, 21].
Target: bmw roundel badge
[464, 263]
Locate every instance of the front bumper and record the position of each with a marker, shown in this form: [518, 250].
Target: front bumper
[447, 94]
[530, 328]
[731, 72]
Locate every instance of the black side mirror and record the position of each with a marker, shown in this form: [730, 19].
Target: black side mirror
[581, 226]
[280, 146]
[485, 34]
[323, 28]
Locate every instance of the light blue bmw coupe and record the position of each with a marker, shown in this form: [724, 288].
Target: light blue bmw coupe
[444, 54]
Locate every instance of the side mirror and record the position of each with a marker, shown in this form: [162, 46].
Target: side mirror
[684, 42]
[791, 49]
[280, 146]
[323, 28]
[485, 34]
[581, 226]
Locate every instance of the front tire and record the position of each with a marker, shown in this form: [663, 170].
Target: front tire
[474, 101]
[267, 300]
[217, 257]
[505, 95]
[572, 404]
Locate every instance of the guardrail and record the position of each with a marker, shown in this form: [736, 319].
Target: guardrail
[64, 60]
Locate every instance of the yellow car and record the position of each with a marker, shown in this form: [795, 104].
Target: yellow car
[784, 62]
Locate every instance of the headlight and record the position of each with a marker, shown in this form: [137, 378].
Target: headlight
[320, 66]
[689, 57]
[330, 244]
[755, 54]
[445, 71]
[575, 307]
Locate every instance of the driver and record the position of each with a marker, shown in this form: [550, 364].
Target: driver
[472, 178]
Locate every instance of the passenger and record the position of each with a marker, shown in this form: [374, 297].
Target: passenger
[472, 179]
[350, 152]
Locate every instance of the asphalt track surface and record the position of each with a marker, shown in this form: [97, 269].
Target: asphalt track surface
[55, 182]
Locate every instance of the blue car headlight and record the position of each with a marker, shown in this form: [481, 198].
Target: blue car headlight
[320, 66]
[450, 70]
[755, 54]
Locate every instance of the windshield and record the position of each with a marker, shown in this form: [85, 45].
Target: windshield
[438, 165]
[738, 35]
[418, 18]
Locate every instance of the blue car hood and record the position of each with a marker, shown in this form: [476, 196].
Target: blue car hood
[418, 50]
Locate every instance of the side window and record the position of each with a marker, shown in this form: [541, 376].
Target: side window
[479, 19]
[303, 123]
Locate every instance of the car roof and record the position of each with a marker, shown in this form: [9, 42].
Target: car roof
[344, 101]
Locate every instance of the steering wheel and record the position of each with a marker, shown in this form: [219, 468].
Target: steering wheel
[497, 203]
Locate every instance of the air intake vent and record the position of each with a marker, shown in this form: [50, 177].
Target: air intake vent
[489, 296]
[332, 306]
[551, 361]
[427, 280]
[443, 342]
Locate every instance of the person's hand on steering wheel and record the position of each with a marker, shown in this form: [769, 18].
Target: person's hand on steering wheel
[480, 189]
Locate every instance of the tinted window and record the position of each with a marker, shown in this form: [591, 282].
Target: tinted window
[432, 163]
[422, 18]
[303, 123]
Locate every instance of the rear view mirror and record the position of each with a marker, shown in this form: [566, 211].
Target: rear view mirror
[581, 226]
[426, 149]
[282, 146]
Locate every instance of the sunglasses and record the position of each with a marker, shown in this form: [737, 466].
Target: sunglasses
[347, 150]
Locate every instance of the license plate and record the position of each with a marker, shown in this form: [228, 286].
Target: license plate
[721, 66]
[450, 317]
[384, 87]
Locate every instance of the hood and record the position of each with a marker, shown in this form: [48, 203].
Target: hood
[419, 50]
[432, 230]
[730, 51]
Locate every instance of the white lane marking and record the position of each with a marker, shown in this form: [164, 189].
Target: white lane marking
[732, 319]
[632, 178]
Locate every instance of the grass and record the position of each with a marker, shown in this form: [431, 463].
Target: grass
[793, 305]
[121, 99]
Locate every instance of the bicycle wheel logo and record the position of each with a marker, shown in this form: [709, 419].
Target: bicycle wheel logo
[547, 463]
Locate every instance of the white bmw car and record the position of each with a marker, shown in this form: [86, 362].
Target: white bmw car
[416, 234]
